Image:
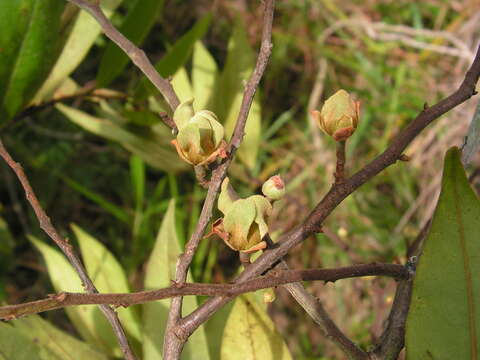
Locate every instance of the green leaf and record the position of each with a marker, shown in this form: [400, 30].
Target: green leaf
[82, 37]
[238, 68]
[204, 76]
[88, 319]
[136, 26]
[160, 270]
[62, 345]
[181, 85]
[214, 329]
[250, 334]
[113, 209]
[29, 41]
[178, 55]
[107, 275]
[444, 317]
[137, 175]
[14, 345]
[150, 144]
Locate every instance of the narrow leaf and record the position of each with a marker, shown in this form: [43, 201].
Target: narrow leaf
[444, 317]
[137, 175]
[160, 271]
[107, 275]
[82, 37]
[238, 68]
[58, 342]
[113, 209]
[181, 85]
[136, 26]
[16, 346]
[88, 319]
[250, 334]
[150, 146]
[204, 76]
[178, 55]
[29, 42]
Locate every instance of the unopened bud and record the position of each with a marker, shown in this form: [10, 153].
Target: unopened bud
[274, 188]
[200, 137]
[339, 116]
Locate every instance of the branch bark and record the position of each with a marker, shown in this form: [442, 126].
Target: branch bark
[274, 278]
[47, 226]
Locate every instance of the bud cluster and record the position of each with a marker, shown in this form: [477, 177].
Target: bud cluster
[245, 220]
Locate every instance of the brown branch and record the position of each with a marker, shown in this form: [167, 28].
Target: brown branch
[135, 54]
[173, 344]
[340, 168]
[338, 193]
[274, 278]
[49, 229]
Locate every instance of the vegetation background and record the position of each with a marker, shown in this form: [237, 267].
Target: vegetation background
[116, 193]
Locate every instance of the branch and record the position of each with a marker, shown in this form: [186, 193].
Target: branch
[274, 278]
[135, 54]
[338, 193]
[173, 344]
[340, 168]
[49, 229]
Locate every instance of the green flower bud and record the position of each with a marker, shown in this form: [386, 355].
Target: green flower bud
[339, 116]
[269, 296]
[274, 188]
[244, 224]
[200, 138]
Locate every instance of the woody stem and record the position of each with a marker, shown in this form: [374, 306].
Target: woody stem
[340, 169]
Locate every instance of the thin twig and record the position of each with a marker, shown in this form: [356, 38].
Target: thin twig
[339, 192]
[314, 308]
[173, 343]
[275, 278]
[135, 54]
[340, 168]
[49, 229]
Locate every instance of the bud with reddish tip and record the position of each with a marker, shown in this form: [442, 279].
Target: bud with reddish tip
[274, 188]
[339, 116]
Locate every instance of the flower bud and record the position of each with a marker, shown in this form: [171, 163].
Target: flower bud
[274, 188]
[269, 296]
[244, 224]
[200, 138]
[339, 116]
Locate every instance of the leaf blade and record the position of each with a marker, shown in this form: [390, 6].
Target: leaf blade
[30, 35]
[107, 274]
[444, 317]
[250, 334]
[136, 26]
[160, 270]
[88, 319]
